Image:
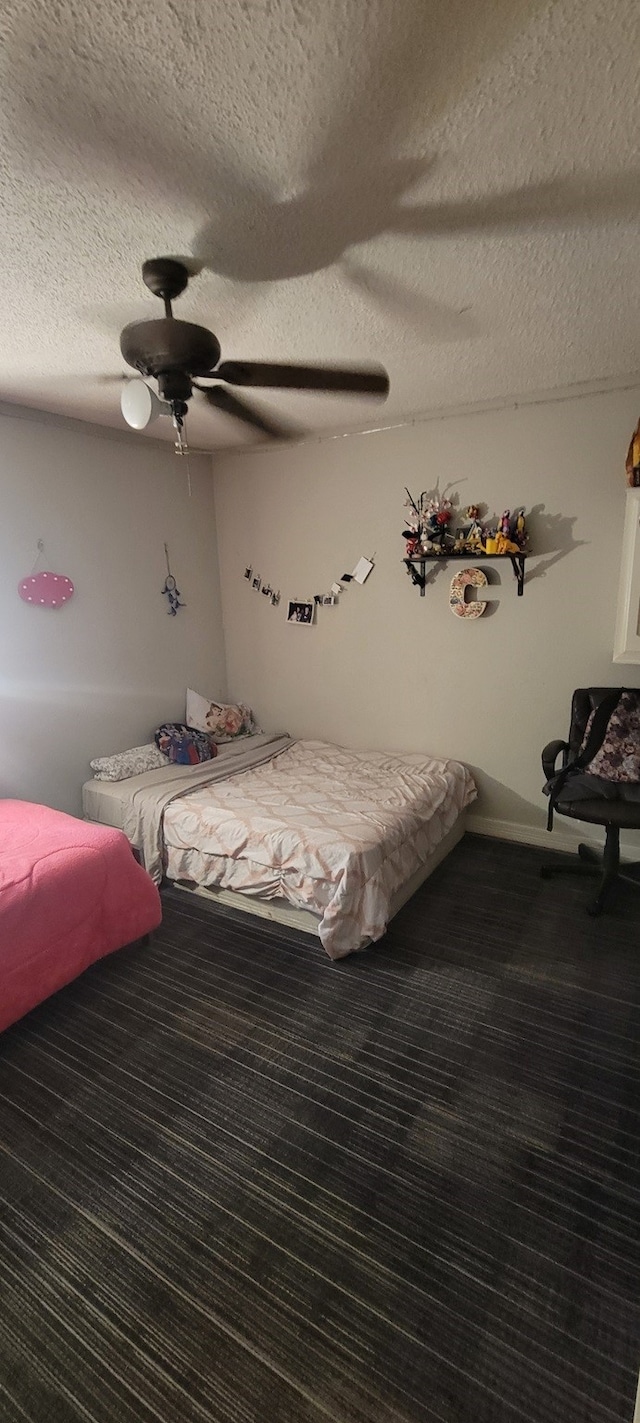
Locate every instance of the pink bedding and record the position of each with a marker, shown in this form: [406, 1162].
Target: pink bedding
[69, 894]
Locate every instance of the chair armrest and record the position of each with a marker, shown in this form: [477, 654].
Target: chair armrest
[550, 756]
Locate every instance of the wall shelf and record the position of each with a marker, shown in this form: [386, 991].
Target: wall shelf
[421, 559]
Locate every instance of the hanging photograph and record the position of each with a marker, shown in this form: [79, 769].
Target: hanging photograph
[248, 572]
[300, 613]
[257, 583]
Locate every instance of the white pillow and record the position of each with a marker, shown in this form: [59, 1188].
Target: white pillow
[222, 721]
[128, 763]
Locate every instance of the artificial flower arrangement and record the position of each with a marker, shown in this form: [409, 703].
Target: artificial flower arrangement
[428, 529]
[427, 523]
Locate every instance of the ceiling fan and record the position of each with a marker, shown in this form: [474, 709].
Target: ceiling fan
[178, 355]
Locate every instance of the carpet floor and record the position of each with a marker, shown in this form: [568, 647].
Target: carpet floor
[240, 1183]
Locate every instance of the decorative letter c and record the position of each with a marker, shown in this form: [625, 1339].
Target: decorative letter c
[467, 578]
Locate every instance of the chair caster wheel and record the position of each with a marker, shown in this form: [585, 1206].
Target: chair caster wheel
[588, 855]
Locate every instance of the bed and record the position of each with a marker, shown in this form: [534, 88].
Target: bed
[330, 840]
[70, 893]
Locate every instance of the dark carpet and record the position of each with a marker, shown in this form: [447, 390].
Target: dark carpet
[240, 1183]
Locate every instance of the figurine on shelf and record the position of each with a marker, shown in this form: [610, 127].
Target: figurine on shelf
[504, 544]
[504, 527]
[474, 536]
[519, 531]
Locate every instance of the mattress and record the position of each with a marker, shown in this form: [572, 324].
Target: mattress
[329, 830]
[133, 805]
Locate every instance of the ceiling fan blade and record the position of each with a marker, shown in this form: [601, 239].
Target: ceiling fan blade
[429, 319]
[230, 404]
[357, 381]
[102, 378]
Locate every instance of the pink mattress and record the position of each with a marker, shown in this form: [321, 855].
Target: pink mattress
[69, 894]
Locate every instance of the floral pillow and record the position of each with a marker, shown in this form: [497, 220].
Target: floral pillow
[182, 745]
[128, 763]
[222, 721]
[618, 758]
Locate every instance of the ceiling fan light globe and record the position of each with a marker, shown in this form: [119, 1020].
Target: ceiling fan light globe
[140, 405]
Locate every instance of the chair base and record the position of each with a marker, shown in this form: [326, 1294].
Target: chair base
[607, 865]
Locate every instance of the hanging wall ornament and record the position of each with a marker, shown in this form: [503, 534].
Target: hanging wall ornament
[170, 590]
[45, 590]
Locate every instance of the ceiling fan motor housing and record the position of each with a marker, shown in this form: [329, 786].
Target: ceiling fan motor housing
[168, 344]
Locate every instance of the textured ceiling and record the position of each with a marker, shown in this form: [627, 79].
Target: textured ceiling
[449, 186]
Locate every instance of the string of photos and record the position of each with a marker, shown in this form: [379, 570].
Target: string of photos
[303, 610]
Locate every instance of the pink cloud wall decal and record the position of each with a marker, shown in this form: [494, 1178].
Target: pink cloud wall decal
[46, 590]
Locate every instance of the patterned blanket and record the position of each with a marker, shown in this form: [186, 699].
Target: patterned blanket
[331, 830]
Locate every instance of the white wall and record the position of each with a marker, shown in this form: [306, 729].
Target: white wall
[387, 668]
[100, 674]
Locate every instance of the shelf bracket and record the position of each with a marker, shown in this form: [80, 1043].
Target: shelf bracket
[419, 580]
[417, 566]
[517, 564]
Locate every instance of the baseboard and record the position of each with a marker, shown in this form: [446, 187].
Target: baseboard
[564, 836]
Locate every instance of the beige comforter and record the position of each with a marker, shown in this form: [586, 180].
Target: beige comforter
[138, 805]
[331, 830]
